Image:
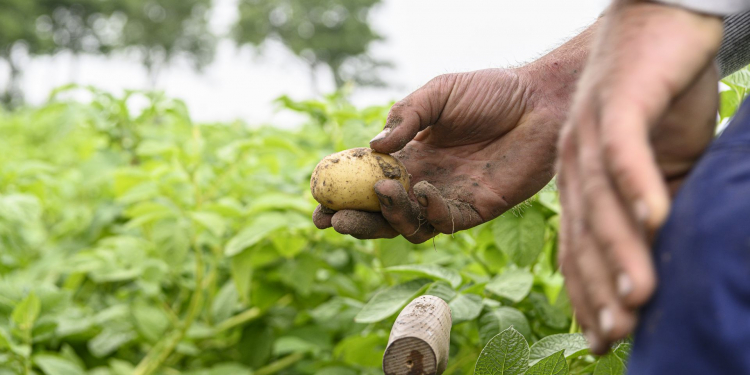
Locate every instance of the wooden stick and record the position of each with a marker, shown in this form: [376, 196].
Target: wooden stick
[419, 339]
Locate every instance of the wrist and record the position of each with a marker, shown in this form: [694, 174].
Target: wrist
[552, 79]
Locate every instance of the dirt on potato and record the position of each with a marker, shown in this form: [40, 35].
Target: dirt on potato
[345, 180]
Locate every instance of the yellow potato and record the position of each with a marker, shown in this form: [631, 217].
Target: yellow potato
[345, 180]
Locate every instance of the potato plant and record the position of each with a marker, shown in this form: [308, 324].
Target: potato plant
[136, 241]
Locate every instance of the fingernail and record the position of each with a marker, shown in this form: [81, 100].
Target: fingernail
[624, 284]
[606, 321]
[422, 199]
[592, 340]
[385, 200]
[381, 135]
[641, 211]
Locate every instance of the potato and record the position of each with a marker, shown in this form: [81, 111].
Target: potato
[345, 179]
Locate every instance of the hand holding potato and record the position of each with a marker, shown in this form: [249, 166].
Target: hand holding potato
[345, 179]
[475, 145]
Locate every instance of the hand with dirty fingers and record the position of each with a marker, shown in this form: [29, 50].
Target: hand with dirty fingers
[644, 112]
[467, 166]
[475, 145]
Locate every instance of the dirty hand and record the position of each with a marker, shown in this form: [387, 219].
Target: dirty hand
[643, 113]
[475, 144]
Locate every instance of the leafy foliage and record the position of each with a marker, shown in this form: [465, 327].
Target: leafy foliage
[139, 242]
[737, 88]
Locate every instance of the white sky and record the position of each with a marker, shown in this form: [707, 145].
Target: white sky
[423, 38]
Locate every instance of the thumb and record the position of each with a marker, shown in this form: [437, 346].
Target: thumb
[413, 114]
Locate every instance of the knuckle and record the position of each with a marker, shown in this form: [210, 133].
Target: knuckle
[593, 187]
[611, 148]
[443, 79]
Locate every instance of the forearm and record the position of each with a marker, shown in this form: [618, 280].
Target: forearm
[555, 74]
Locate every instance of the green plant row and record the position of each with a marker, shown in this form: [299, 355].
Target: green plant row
[135, 241]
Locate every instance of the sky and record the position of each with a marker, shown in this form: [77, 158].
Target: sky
[423, 39]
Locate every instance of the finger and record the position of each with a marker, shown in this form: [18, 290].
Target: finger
[631, 164]
[322, 217]
[445, 215]
[617, 236]
[592, 195]
[613, 320]
[586, 269]
[362, 225]
[577, 294]
[401, 212]
[568, 249]
[412, 114]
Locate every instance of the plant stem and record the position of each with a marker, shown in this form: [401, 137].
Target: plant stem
[241, 318]
[573, 324]
[161, 351]
[481, 263]
[280, 364]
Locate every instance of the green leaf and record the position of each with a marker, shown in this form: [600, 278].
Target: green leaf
[256, 344]
[443, 290]
[610, 364]
[465, 307]
[120, 367]
[431, 271]
[623, 351]
[390, 301]
[551, 316]
[550, 199]
[255, 232]
[552, 365]
[289, 246]
[573, 345]
[26, 312]
[225, 302]
[500, 319]
[150, 320]
[506, 354]
[56, 365]
[277, 201]
[393, 251]
[211, 221]
[291, 344]
[520, 236]
[300, 272]
[108, 341]
[729, 102]
[222, 369]
[359, 350]
[5, 342]
[739, 78]
[514, 285]
[337, 370]
[241, 268]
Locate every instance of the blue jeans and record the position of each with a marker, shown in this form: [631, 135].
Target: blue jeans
[698, 322]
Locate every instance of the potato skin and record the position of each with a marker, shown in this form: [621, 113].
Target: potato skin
[345, 179]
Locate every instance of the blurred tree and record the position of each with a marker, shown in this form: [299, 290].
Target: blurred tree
[165, 29]
[160, 29]
[330, 32]
[17, 37]
[77, 26]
